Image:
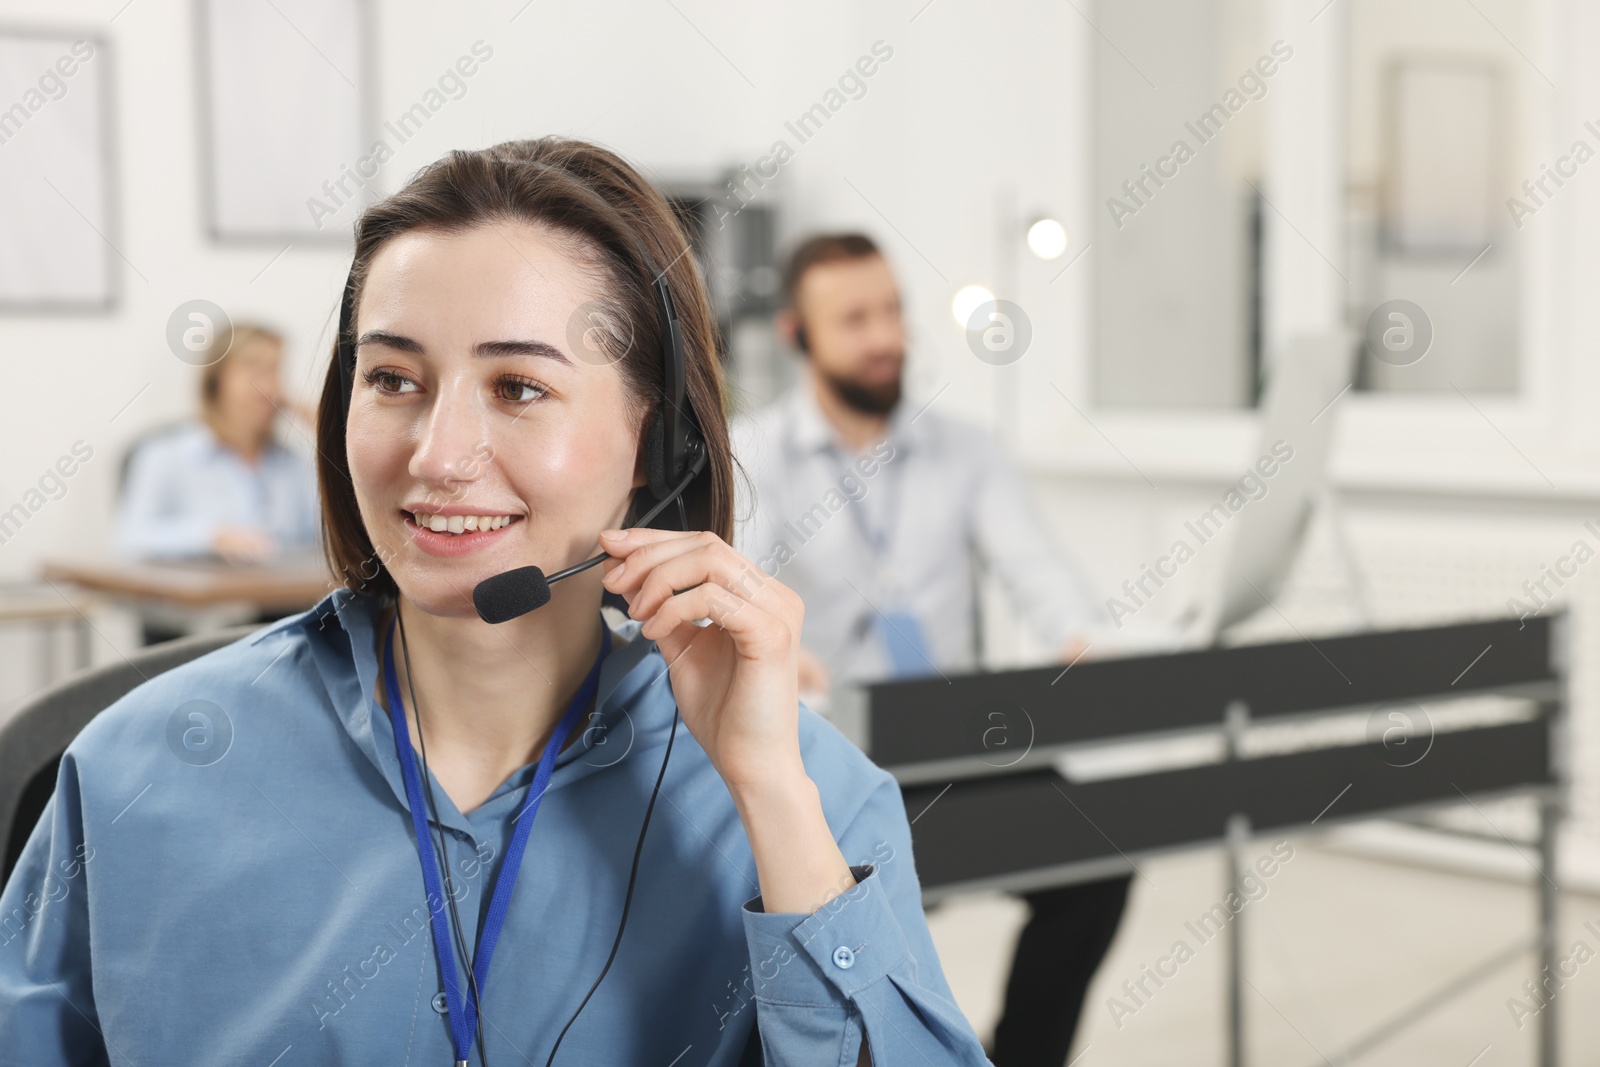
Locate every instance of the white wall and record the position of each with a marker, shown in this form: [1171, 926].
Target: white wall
[973, 96]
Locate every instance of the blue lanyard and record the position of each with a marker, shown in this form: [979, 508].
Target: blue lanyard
[877, 538]
[464, 1012]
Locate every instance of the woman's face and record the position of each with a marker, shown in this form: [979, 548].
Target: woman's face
[249, 389]
[470, 405]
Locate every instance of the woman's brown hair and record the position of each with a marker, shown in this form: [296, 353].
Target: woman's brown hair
[621, 227]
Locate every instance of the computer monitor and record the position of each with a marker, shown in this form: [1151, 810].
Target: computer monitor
[1299, 410]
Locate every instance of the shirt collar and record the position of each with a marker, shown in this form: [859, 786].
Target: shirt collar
[633, 708]
[214, 448]
[210, 445]
[810, 431]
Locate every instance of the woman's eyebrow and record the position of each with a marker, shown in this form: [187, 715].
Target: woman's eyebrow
[390, 340]
[488, 349]
[521, 348]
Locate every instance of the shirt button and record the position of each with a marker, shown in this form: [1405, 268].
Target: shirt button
[441, 1003]
[843, 958]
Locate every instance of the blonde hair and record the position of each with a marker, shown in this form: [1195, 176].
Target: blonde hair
[226, 340]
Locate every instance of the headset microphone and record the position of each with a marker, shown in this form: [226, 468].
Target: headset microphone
[675, 452]
[510, 594]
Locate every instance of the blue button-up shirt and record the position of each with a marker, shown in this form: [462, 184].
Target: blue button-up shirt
[184, 484]
[226, 873]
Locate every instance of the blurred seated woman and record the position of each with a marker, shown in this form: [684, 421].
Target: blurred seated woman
[223, 486]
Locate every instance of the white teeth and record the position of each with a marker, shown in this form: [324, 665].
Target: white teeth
[459, 523]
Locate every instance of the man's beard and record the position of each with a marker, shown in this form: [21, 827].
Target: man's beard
[867, 399]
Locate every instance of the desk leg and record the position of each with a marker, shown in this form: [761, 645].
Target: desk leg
[1549, 914]
[45, 639]
[1238, 839]
[80, 631]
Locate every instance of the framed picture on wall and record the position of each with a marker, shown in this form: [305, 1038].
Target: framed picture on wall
[286, 112]
[1446, 130]
[58, 229]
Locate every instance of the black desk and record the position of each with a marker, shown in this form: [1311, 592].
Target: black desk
[975, 755]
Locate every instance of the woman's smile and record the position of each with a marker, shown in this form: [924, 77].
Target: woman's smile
[458, 532]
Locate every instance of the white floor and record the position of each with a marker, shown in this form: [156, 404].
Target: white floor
[1336, 944]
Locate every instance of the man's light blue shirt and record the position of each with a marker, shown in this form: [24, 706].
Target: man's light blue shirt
[184, 484]
[942, 496]
[245, 887]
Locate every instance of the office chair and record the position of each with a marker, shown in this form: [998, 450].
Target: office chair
[35, 736]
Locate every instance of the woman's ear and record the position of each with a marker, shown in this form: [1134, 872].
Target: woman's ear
[787, 326]
[640, 476]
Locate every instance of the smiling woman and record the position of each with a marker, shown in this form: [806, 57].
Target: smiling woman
[443, 370]
[520, 323]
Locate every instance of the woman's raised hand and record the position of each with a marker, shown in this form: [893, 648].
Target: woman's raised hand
[736, 680]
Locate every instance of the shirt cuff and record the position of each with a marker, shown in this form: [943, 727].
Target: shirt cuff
[832, 954]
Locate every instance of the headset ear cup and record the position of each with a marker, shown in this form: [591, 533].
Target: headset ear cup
[655, 456]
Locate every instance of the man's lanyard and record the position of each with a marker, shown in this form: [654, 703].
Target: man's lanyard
[463, 1011]
[877, 538]
[904, 638]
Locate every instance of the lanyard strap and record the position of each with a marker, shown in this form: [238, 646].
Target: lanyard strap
[464, 1011]
[876, 537]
